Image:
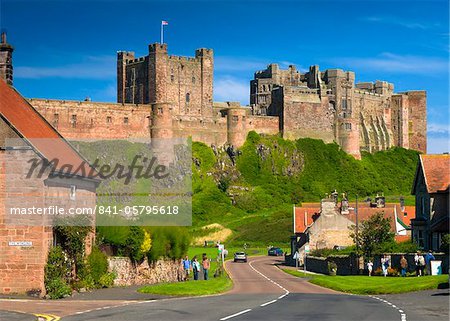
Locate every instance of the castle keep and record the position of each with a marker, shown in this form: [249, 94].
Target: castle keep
[163, 96]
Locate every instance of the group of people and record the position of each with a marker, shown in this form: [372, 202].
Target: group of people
[421, 262]
[195, 266]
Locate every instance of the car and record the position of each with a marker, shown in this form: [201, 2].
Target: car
[275, 251]
[240, 257]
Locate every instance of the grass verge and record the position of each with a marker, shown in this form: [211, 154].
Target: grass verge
[358, 284]
[191, 288]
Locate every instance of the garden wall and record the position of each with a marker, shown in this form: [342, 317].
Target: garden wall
[129, 273]
[346, 264]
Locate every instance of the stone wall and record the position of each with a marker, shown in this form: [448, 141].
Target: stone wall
[144, 273]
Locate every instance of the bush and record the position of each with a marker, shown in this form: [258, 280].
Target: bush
[56, 274]
[97, 266]
[57, 288]
[445, 243]
[107, 280]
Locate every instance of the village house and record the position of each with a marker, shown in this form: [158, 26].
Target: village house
[327, 224]
[26, 239]
[431, 188]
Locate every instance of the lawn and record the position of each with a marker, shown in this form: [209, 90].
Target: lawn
[357, 284]
[191, 288]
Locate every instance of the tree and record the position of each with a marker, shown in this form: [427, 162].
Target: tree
[372, 234]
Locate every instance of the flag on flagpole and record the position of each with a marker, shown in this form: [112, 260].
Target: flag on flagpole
[163, 23]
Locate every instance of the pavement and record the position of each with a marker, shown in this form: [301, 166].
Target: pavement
[261, 292]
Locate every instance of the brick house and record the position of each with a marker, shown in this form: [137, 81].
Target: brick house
[26, 239]
[431, 188]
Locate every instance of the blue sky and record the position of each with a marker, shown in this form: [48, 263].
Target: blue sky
[66, 49]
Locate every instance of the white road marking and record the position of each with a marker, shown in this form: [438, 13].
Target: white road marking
[402, 313]
[267, 303]
[235, 315]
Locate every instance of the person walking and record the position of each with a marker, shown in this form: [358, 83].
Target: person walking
[370, 267]
[186, 267]
[195, 267]
[403, 265]
[416, 262]
[428, 258]
[206, 264]
[384, 265]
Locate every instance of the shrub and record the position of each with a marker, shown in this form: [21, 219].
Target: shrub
[392, 272]
[134, 243]
[97, 266]
[57, 288]
[56, 274]
[445, 243]
[107, 280]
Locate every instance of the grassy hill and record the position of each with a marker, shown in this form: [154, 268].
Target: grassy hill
[253, 195]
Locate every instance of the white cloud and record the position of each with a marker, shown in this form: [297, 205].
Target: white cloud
[393, 63]
[91, 67]
[438, 145]
[228, 88]
[438, 129]
[400, 22]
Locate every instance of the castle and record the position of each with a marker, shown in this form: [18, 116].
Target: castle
[163, 96]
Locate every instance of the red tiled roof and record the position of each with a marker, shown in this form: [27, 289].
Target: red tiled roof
[37, 131]
[408, 214]
[436, 169]
[302, 214]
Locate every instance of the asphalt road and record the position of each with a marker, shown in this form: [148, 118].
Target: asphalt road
[261, 292]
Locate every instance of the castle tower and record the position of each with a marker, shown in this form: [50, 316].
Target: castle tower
[157, 82]
[6, 67]
[207, 71]
[161, 132]
[236, 126]
[123, 57]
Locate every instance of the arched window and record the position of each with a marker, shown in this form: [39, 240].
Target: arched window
[188, 98]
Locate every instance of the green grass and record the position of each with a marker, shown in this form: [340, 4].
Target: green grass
[374, 284]
[191, 288]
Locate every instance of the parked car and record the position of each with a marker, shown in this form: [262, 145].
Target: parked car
[240, 257]
[275, 251]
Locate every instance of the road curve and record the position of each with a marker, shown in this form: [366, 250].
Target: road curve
[261, 292]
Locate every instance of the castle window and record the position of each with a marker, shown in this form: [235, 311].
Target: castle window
[160, 110]
[344, 104]
[73, 192]
[73, 120]
[108, 120]
[172, 78]
[193, 79]
[125, 120]
[55, 120]
[235, 118]
[188, 98]
[348, 126]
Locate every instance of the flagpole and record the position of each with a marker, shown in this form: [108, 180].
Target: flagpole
[162, 33]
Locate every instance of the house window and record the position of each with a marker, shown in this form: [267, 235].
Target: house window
[73, 120]
[108, 120]
[125, 120]
[188, 98]
[73, 192]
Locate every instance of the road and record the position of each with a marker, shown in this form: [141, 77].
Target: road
[261, 292]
